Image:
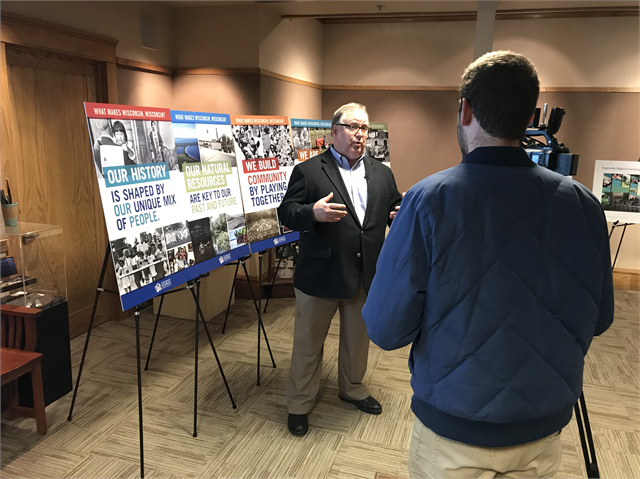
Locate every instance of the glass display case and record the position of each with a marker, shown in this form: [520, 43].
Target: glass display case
[33, 271]
[33, 276]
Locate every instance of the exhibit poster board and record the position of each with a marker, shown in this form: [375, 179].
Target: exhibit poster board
[615, 183]
[265, 162]
[310, 137]
[378, 143]
[170, 215]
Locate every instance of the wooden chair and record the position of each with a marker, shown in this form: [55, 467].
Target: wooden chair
[17, 358]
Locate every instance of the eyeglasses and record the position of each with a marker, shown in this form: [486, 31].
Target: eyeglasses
[353, 127]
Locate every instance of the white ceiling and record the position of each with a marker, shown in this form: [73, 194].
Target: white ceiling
[392, 6]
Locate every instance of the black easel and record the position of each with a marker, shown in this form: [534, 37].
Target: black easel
[614, 226]
[257, 305]
[275, 274]
[199, 317]
[587, 443]
[136, 316]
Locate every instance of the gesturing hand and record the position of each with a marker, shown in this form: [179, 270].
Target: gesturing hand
[325, 212]
[394, 212]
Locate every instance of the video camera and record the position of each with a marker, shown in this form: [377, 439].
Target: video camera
[549, 153]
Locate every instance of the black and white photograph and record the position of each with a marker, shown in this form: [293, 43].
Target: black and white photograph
[220, 233]
[203, 245]
[215, 143]
[132, 142]
[176, 234]
[262, 225]
[114, 143]
[254, 142]
[248, 142]
[301, 139]
[378, 145]
[235, 221]
[139, 259]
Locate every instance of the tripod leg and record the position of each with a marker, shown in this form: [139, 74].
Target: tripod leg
[592, 468]
[206, 329]
[153, 336]
[86, 341]
[233, 285]
[195, 385]
[136, 316]
[272, 282]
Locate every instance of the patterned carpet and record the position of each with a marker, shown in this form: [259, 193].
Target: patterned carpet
[252, 441]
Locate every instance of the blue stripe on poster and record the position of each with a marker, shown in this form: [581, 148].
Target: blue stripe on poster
[275, 241]
[149, 291]
[310, 123]
[178, 116]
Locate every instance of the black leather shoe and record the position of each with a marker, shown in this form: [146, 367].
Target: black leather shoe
[368, 405]
[298, 424]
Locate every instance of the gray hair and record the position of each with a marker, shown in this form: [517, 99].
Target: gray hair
[337, 116]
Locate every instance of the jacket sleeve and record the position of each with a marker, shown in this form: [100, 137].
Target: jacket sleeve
[605, 313]
[394, 311]
[294, 211]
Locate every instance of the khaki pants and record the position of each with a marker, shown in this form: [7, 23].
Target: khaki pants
[434, 456]
[313, 318]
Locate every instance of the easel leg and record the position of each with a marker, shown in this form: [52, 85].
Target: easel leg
[93, 316]
[153, 336]
[233, 285]
[259, 315]
[624, 229]
[136, 316]
[273, 281]
[206, 329]
[195, 385]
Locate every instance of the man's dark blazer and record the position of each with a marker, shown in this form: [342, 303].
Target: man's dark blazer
[332, 255]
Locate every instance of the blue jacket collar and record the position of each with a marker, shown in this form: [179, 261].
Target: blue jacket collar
[499, 156]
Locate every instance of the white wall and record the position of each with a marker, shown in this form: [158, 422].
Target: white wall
[573, 52]
[222, 37]
[412, 54]
[576, 52]
[117, 20]
[294, 48]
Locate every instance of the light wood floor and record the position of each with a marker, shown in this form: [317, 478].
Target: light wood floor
[252, 441]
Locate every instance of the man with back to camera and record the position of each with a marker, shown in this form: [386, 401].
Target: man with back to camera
[499, 273]
[341, 202]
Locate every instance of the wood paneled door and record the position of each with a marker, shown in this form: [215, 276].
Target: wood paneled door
[49, 163]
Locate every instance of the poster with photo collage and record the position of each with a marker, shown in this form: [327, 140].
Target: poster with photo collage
[170, 195]
[265, 161]
[310, 137]
[615, 183]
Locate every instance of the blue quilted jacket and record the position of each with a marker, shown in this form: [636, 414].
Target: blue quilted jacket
[499, 273]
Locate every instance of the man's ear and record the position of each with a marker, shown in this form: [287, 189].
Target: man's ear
[466, 113]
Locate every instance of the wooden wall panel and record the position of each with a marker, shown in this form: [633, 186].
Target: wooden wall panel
[53, 169]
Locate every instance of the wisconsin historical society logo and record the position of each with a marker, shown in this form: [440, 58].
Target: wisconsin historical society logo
[162, 285]
[224, 258]
[277, 241]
